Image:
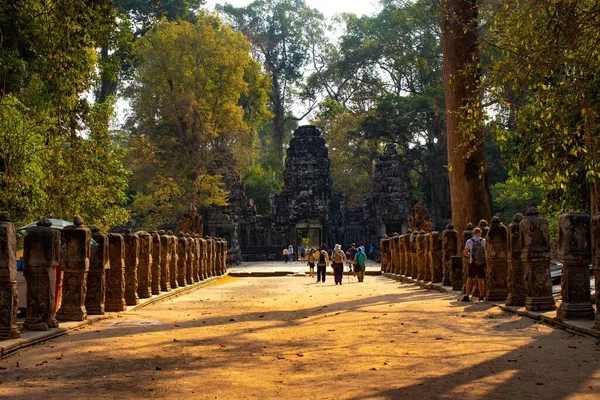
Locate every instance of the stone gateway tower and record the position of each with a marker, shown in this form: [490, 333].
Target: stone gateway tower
[307, 211]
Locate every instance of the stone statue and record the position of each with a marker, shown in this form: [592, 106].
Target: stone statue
[9, 296]
[96, 281]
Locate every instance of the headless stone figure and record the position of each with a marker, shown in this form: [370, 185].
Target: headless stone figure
[575, 253]
[535, 257]
[9, 296]
[41, 257]
[436, 257]
[144, 270]
[132, 251]
[191, 259]
[165, 261]
[449, 249]
[197, 261]
[516, 272]
[496, 244]
[203, 260]
[182, 259]
[174, 259]
[156, 263]
[76, 240]
[115, 277]
[99, 265]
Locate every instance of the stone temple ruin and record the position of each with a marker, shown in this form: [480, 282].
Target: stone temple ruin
[308, 210]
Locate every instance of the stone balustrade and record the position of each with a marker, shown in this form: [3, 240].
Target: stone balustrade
[104, 276]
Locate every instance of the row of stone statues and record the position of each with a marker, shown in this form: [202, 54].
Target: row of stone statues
[517, 261]
[114, 273]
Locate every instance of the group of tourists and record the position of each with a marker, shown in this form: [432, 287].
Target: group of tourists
[355, 258]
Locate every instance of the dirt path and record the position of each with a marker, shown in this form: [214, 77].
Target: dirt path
[291, 338]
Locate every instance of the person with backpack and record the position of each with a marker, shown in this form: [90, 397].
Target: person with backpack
[360, 264]
[286, 255]
[475, 250]
[338, 264]
[350, 255]
[311, 262]
[322, 260]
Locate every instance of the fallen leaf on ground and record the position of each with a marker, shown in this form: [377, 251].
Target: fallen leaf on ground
[374, 369]
[300, 354]
[281, 357]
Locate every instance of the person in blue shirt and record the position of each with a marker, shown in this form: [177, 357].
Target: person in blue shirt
[361, 263]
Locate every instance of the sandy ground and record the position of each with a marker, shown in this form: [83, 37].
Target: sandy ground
[290, 338]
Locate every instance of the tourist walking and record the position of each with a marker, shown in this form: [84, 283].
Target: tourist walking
[338, 264]
[475, 250]
[361, 264]
[311, 262]
[291, 252]
[286, 255]
[322, 260]
[350, 257]
[302, 252]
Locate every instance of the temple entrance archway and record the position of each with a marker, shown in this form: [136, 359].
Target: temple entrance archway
[309, 236]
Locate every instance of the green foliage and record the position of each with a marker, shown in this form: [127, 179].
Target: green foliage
[198, 95]
[283, 34]
[543, 73]
[57, 153]
[515, 196]
[260, 182]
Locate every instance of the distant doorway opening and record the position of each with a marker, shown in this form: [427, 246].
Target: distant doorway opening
[308, 237]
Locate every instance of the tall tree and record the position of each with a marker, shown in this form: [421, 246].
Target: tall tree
[281, 33]
[469, 191]
[198, 98]
[53, 155]
[543, 72]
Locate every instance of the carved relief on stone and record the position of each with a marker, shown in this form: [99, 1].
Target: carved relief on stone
[9, 299]
[182, 259]
[496, 242]
[449, 249]
[132, 253]
[156, 263]
[575, 253]
[421, 255]
[96, 280]
[174, 259]
[41, 256]
[144, 269]
[436, 257]
[419, 218]
[115, 282]
[165, 261]
[516, 271]
[535, 257]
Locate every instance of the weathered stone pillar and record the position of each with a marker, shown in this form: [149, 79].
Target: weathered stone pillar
[182, 255]
[211, 256]
[407, 255]
[436, 257]
[516, 272]
[197, 256]
[535, 257]
[575, 253]
[191, 259]
[595, 236]
[427, 267]
[165, 261]
[156, 263]
[9, 296]
[401, 256]
[384, 245]
[144, 270]
[413, 255]
[75, 264]
[224, 256]
[449, 249]
[398, 255]
[421, 256]
[394, 242]
[96, 280]
[496, 244]
[132, 254]
[219, 252]
[174, 259]
[466, 235]
[41, 256]
[456, 272]
[115, 282]
[203, 260]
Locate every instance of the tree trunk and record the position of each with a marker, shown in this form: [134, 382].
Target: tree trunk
[279, 118]
[469, 191]
[108, 86]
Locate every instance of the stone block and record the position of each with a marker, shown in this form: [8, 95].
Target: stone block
[516, 272]
[165, 261]
[115, 281]
[449, 249]
[96, 281]
[156, 263]
[496, 243]
[9, 296]
[174, 260]
[144, 269]
[132, 255]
